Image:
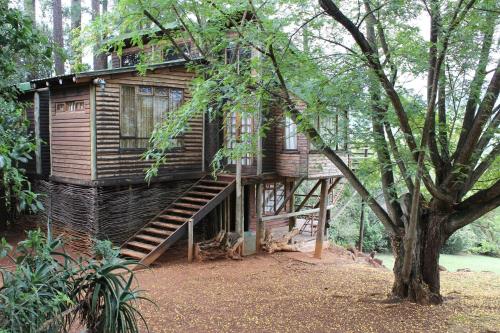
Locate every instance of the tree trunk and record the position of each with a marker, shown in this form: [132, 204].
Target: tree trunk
[76, 21]
[423, 285]
[57, 33]
[100, 58]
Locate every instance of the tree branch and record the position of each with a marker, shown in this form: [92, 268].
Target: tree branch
[474, 207]
[167, 33]
[314, 136]
[476, 84]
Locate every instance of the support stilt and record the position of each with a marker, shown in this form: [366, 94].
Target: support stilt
[322, 219]
[190, 240]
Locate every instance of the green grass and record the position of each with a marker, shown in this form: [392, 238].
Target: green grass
[475, 263]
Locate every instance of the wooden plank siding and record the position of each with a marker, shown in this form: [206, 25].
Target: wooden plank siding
[44, 128]
[320, 166]
[70, 134]
[115, 162]
[289, 163]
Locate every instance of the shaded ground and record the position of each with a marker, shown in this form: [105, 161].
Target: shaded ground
[292, 292]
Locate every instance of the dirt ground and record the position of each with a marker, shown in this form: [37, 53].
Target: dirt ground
[293, 292]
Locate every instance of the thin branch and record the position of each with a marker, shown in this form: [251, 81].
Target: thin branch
[167, 33]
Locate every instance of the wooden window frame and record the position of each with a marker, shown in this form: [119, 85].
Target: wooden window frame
[247, 160]
[66, 106]
[180, 140]
[286, 149]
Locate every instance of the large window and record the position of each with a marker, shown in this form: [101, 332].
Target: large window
[246, 131]
[142, 107]
[274, 195]
[290, 134]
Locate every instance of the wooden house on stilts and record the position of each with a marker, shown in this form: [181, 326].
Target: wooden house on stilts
[94, 127]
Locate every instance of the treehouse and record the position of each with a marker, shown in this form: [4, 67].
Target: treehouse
[95, 127]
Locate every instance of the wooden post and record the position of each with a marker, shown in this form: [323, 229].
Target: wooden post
[322, 219]
[190, 240]
[93, 133]
[239, 198]
[292, 221]
[38, 150]
[361, 226]
[259, 201]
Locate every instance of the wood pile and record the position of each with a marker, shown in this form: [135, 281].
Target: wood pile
[224, 245]
[284, 243]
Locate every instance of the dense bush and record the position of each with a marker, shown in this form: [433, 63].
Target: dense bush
[48, 291]
[460, 241]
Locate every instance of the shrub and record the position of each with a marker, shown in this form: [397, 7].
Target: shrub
[486, 248]
[460, 241]
[48, 291]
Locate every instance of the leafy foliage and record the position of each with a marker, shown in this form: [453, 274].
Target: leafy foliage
[23, 50]
[49, 291]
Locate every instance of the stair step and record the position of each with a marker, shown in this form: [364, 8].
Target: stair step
[161, 224]
[144, 246]
[174, 218]
[192, 199]
[132, 254]
[214, 183]
[186, 205]
[182, 211]
[155, 231]
[204, 194]
[210, 188]
[149, 238]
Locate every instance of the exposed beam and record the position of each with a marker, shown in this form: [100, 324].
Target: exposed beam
[290, 195]
[303, 203]
[332, 185]
[298, 213]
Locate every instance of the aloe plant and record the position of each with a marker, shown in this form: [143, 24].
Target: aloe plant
[49, 291]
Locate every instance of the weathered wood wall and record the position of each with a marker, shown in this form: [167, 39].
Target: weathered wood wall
[116, 162]
[70, 134]
[81, 214]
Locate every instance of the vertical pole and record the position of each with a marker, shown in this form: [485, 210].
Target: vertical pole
[361, 226]
[93, 134]
[322, 219]
[190, 240]
[259, 198]
[292, 221]
[38, 151]
[239, 200]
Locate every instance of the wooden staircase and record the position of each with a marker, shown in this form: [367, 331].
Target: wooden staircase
[171, 224]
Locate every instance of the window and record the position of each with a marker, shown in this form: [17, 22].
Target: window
[290, 134]
[130, 59]
[70, 106]
[171, 52]
[142, 107]
[274, 195]
[246, 128]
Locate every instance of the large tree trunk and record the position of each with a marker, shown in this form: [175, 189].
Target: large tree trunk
[100, 58]
[423, 285]
[57, 35]
[76, 21]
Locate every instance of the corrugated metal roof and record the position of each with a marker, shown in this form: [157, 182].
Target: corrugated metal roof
[91, 74]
